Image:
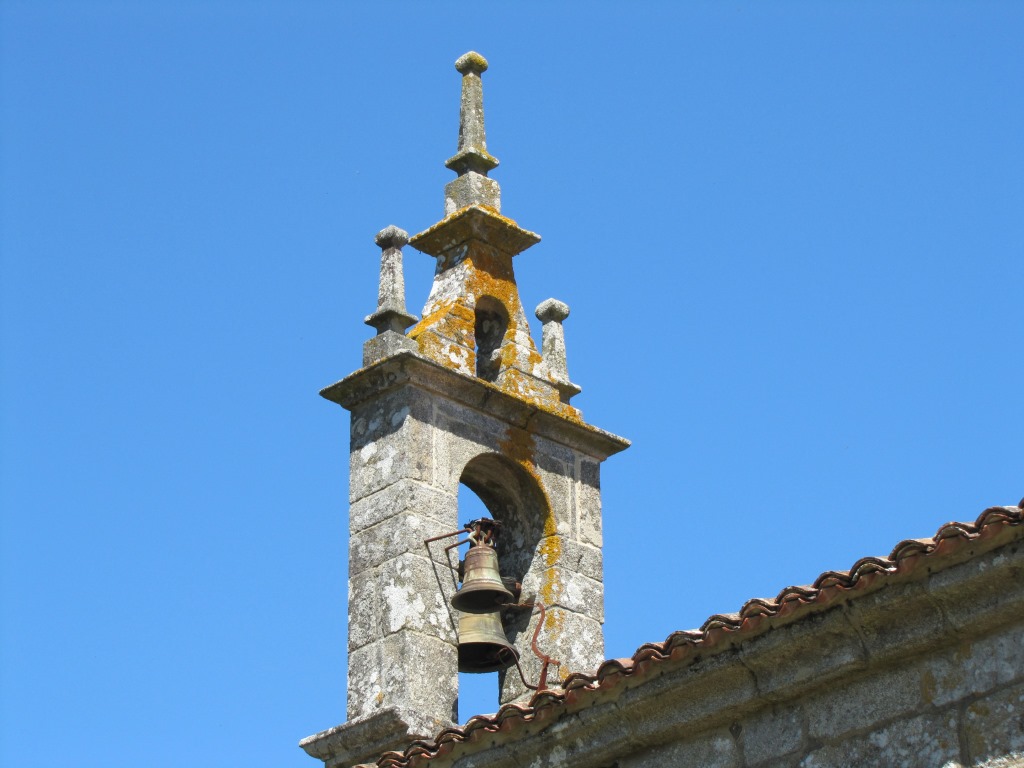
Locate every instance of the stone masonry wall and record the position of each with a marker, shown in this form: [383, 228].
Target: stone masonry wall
[962, 706]
[409, 451]
[922, 672]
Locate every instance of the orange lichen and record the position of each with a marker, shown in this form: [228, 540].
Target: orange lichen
[520, 445]
[430, 320]
[551, 588]
[443, 350]
[470, 269]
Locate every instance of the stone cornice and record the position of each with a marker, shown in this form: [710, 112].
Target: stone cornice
[360, 741]
[474, 222]
[407, 367]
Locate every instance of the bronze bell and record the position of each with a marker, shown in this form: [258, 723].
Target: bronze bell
[481, 590]
[483, 646]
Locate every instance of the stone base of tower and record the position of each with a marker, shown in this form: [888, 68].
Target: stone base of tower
[362, 741]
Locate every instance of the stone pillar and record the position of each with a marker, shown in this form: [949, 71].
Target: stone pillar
[552, 313]
[401, 644]
[560, 551]
[391, 317]
[472, 161]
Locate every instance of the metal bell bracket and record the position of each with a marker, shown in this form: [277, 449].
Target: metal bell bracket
[481, 533]
[546, 661]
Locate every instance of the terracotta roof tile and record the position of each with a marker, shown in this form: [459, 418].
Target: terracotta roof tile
[946, 543]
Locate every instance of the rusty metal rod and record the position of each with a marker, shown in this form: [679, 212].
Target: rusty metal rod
[545, 659]
[447, 555]
[432, 539]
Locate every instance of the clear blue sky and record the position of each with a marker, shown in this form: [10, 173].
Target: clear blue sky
[791, 236]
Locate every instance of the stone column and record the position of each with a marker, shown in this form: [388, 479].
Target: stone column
[472, 161]
[551, 313]
[401, 645]
[391, 317]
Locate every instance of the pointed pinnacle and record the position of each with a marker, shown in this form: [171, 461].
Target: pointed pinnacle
[391, 314]
[472, 154]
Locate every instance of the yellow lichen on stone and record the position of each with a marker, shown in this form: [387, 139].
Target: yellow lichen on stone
[471, 268]
[442, 350]
[519, 445]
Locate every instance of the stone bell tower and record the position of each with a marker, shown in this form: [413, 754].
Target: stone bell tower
[462, 396]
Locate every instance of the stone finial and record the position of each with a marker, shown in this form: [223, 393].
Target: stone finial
[471, 62]
[391, 318]
[551, 313]
[472, 154]
[552, 310]
[472, 161]
[392, 237]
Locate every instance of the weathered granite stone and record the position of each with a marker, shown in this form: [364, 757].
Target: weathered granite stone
[584, 559]
[391, 318]
[948, 587]
[784, 658]
[899, 617]
[706, 694]
[363, 609]
[862, 703]
[567, 588]
[405, 592]
[375, 418]
[391, 312]
[551, 313]
[713, 750]
[472, 154]
[471, 188]
[573, 639]
[385, 344]
[926, 740]
[588, 502]
[361, 740]
[971, 667]
[406, 495]
[398, 534]
[994, 728]
[412, 599]
[382, 435]
[772, 733]
[405, 666]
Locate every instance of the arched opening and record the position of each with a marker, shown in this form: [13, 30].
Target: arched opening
[478, 693]
[491, 322]
[493, 486]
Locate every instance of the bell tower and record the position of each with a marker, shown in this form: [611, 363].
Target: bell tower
[463, 396]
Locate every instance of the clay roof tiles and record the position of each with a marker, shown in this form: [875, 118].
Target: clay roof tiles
[754, 616]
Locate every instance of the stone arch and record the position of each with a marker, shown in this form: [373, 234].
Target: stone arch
[514, 498]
